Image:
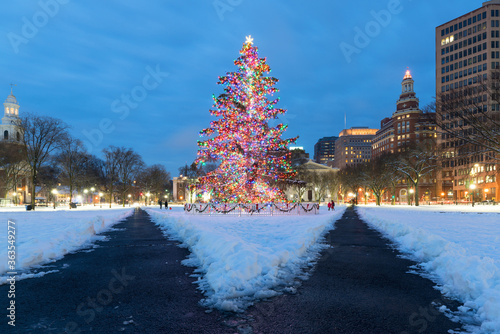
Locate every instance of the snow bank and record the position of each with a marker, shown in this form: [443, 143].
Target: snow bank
[46, 236]
[240, 259]
[458, 246]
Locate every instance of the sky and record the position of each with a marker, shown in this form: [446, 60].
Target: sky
[141, 74]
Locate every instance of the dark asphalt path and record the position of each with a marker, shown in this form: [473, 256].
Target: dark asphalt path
[134, 283]
[358, 286]
[135, 275]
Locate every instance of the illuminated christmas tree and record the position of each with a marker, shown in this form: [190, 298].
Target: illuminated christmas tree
[252, 158]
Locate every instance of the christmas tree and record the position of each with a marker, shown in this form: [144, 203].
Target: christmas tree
[252, 158]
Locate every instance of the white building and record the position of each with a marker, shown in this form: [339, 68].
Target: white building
[9, 129]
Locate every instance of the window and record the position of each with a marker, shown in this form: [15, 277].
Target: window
[18, 136]
[6, 135]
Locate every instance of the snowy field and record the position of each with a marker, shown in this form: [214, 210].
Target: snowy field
[46, 235]
[241, 259]
[459, 246]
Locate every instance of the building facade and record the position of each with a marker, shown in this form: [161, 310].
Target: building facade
[324, 150]
[467, 54]
[354, 146]
[14, 181]
[407, 126]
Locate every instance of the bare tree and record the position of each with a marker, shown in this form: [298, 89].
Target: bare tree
[12, 166]
[71, 159]
[416, 163]
[154, 179]
[378, 176]
[111, 171]
[332, 180]
[42, 135]
[468, 120]
[130, 164]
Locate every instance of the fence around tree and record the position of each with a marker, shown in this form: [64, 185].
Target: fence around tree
[264, 209]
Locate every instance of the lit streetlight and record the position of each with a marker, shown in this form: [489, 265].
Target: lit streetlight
[55, 192]
[93, 190]
[100, 200]
[412, 191]
[472, 188]
[129, 199]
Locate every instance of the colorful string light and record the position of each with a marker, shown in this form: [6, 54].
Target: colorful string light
[252, 158]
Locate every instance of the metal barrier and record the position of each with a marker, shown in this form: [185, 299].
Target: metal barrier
[263, 209]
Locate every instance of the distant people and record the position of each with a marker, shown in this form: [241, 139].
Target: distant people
[159, 202]
[332, 205]
[329, 205]
[166, 204]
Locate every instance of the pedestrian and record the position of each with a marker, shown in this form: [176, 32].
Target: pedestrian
[166, 204]
[329, 205]
[333, 205]
[159, 202]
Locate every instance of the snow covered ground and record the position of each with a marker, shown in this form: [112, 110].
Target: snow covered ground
[46, 235]
[459, 246]
[240, 259]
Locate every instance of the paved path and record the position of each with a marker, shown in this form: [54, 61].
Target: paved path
[134, 283]
[361, 285]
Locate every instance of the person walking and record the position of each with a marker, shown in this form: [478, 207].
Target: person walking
[166, 204]
[159, 202]
[329, 205]
[333, 205]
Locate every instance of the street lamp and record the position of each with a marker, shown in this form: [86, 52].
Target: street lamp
[85, 191]
[93, 190]
[100, 200]
[147, 198]
[472, 188]
[129, 199]
[55, 192]
[486, 194]
[411, 196]
[15, 198]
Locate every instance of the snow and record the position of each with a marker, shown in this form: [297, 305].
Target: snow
[241, 259]
[459, 246]
[47, 235]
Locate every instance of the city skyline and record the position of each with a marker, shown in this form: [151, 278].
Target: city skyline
[124, 75]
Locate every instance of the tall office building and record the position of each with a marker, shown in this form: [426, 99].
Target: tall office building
[408, 124]
[324, 150]
[354, 147]
[467, 53]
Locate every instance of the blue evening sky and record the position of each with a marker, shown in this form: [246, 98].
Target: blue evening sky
[141, 74]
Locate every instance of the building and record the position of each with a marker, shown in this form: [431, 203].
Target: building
[408, 125]
[467, 53]
[354, 146]
[14, 170]
[9, 128]
[324, 150]
[298, 155]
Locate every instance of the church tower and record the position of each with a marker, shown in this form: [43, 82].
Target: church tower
[9, 129]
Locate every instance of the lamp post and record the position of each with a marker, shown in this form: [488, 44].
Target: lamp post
[93, 190]
[147, 198]
[472, 188]
[129, 199]
[411, 196]
[486, 194]
[14, 194]
[85, 191]
[100, 199]
[55, 192]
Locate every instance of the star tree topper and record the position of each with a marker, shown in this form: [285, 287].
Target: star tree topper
[249, 40]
